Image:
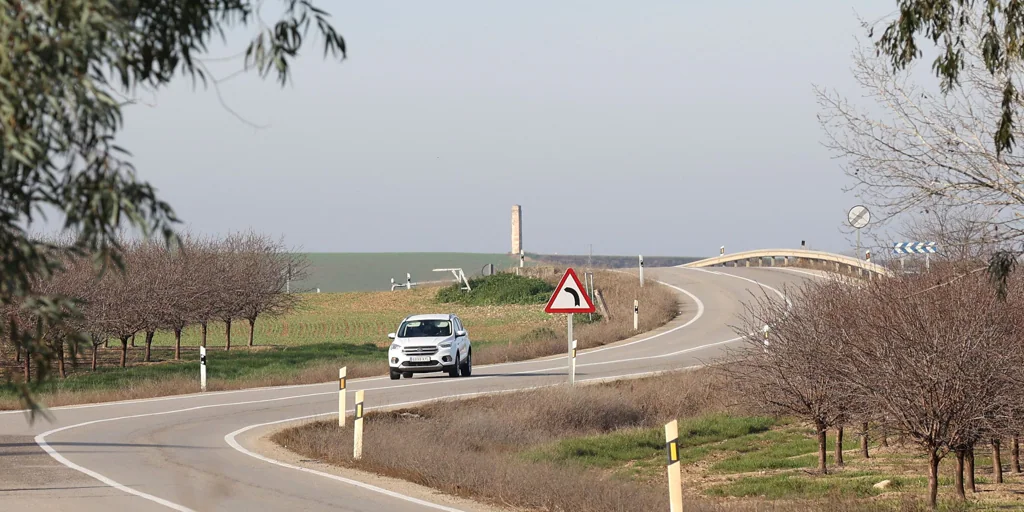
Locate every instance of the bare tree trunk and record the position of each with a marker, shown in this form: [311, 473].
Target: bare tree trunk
[1015, 453]
[864, 440]
[252, 330]
[95, 348]
[839, 446]
[822, 448]
[106, 343]
[203, 324]
[28, 365]
[227, 334]
[997, 462]
[133, 340]
[149, 344]
[61, 370]
[124, 351]
[933, 477]
[959, 474]
[970, 470]
[17, 353]
[177, 344]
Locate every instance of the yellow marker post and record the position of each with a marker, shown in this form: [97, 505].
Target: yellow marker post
[357, 449]
[342, 373]
[675, 486]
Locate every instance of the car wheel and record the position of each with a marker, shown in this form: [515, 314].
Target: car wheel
[467, 368]
[454, 372]
[407, 375]
[395, 375]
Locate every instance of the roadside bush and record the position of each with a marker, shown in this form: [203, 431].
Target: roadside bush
[497, 290]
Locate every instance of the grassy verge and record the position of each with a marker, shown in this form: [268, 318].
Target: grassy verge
[600, 448]
[332, 330]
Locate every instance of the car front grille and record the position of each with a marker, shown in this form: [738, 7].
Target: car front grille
[420, 363]
[419, 351]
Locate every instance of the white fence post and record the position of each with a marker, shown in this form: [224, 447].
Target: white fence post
[572, 365]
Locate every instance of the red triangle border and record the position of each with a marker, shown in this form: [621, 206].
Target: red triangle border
[590, 305]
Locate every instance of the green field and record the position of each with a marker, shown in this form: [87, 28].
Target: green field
[365, 271]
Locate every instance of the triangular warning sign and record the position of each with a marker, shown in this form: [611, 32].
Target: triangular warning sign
[569, 296]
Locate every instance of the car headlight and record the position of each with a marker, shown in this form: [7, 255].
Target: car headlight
[394, 346]
[446, 344]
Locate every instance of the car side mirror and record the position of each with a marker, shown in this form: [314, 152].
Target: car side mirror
[460, 333]
[391, 336]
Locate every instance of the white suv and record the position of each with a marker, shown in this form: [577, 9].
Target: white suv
[430, 343]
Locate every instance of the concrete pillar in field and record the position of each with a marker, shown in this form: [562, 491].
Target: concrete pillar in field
[747, 262]
[517, 229]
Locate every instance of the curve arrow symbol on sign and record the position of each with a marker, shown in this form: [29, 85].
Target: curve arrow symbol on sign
[575, 295]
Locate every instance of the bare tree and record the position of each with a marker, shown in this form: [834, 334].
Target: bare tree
[921, 359]
[913, 148]
[265, 266]
[788, 374]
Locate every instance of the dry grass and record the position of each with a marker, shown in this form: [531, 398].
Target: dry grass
[658, 305]
[481, 448]
[481, 460]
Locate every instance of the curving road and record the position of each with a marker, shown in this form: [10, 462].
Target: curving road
[199, 452]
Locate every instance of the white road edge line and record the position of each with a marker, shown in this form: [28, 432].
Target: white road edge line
[41, 438]
[231, 439]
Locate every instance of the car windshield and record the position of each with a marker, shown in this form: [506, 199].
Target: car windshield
[425, 329]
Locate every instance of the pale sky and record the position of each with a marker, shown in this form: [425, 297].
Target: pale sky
[658, 127]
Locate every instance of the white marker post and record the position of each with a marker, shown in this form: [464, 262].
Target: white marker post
[675, 485]
[572, 365]
[342, 374]
[721, 251]
[357, 438]
[636, 315]
[202, 369]
[641, 271]
[408, 281]
[522, 258]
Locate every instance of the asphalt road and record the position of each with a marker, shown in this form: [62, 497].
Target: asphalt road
[199, 452]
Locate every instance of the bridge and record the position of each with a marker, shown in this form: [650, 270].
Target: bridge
[794, 257]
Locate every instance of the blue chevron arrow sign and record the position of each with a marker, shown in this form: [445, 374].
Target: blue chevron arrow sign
[915, 248]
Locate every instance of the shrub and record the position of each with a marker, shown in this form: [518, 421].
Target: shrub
[498, 289]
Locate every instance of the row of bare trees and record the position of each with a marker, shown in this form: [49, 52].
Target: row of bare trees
[933, 358]
[240, 277]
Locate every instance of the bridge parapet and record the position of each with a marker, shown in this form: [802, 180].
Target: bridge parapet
[796, 255]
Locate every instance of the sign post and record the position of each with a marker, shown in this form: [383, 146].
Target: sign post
[636, 315]
[858, 217]
[570, 297]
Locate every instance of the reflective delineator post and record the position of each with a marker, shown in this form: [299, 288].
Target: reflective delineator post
[641, 271]
[357, 438]
[675, 486]
[572, 364]
[202, 369]
[342, 374]
[636, 315]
